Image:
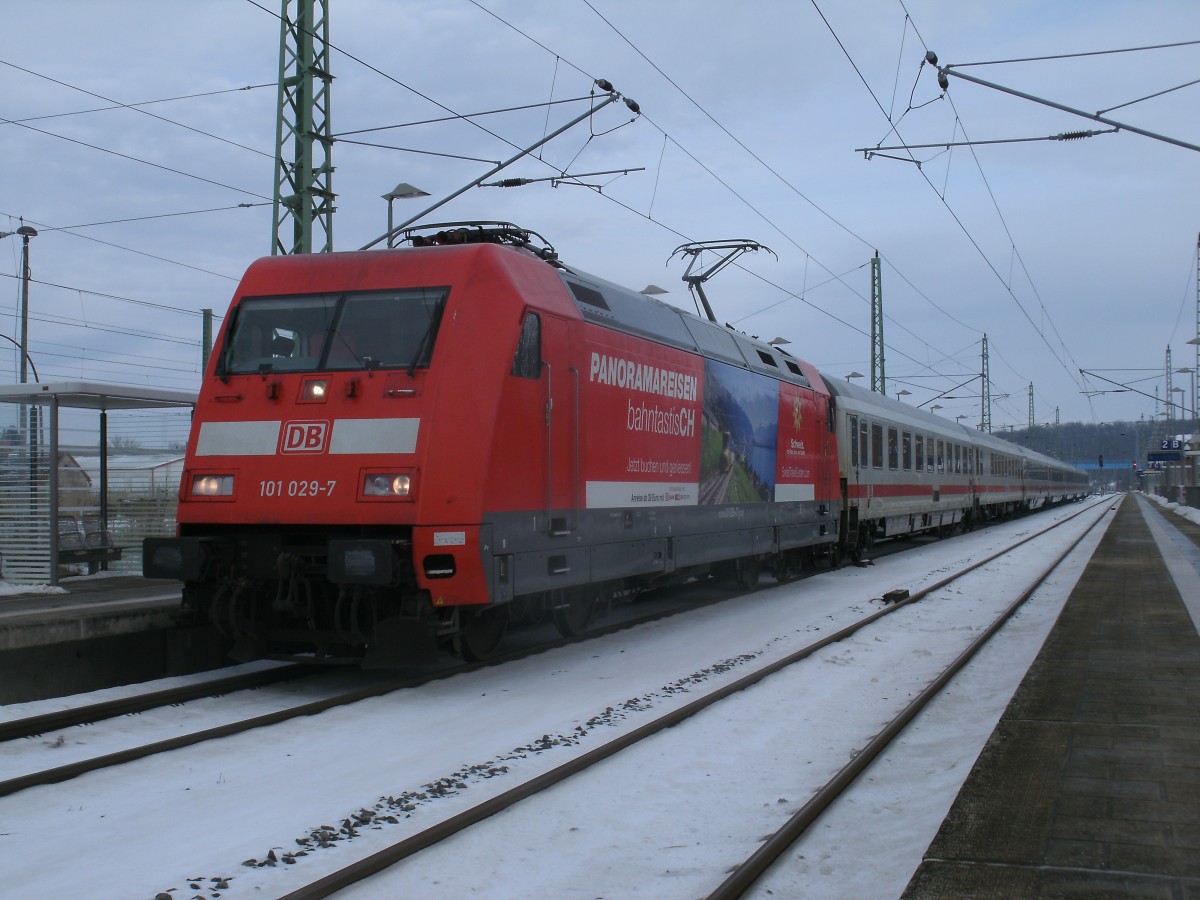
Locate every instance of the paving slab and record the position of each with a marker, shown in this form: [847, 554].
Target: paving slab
[1090, 784]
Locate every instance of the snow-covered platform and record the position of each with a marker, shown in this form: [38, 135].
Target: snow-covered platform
[85, 607]
[94, 632]
[1090, 783]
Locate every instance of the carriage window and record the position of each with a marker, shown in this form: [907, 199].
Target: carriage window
[929, 454]
[876, 446]
[941, 457]
[527, 361]
[862, 443]
[893, 450]
[920, 452]
[957, 459]
[853, 429]
[906, 451]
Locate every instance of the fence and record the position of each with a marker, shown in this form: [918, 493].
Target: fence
[142, 500]
[25, 517]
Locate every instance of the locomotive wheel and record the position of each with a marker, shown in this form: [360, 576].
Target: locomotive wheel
[573, 611]
[482, 633]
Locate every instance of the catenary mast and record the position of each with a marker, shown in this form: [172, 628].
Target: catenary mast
[303, 200]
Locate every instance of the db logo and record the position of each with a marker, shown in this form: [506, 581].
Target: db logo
[304, 437]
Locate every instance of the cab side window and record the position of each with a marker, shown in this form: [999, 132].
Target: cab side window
[527, 361]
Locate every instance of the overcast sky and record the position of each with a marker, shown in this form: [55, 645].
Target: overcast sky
[1067, 255]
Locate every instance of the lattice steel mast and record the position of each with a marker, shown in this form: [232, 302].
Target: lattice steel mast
[878, 379]
[303, 201]
[985, 395]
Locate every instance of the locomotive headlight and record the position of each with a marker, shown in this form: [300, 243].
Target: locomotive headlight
[314, 390]
[212, 485]
[387, 484]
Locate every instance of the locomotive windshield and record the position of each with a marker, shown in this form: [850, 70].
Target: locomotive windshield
[311, 332]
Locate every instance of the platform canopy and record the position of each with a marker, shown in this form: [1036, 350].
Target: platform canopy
[92, 395]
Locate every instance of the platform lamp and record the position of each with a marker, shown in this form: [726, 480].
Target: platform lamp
[653, 290]
[402, 191]
[1195, 342]
[854, 375]
[903, 393]
[26, 233]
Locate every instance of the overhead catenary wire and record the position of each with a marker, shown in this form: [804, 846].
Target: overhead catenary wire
[954, 215]
[753, 155]
[108, 296]
[137, 108]
[126, 156]
[686, 140]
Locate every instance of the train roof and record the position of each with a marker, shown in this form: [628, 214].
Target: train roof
[605, 303]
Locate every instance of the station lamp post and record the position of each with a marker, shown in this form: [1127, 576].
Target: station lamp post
[26, 233]
[402, 191]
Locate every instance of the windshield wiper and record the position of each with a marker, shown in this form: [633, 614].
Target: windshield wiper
[426, 340]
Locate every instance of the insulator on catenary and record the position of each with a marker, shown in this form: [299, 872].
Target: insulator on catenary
[512, 182]
[1073, 135]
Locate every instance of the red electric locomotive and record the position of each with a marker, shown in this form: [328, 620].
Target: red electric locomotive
[397, 445]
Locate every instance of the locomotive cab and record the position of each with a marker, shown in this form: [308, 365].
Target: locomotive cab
[332, 496]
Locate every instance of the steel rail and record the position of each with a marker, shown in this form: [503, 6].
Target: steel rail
[132, 754]
[394, 853]
[775, 846]
[31, 726]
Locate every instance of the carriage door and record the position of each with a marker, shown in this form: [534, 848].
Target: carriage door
[562, 426]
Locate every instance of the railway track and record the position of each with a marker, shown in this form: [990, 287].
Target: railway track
[31, 727]
[414, 725]
[745, 873]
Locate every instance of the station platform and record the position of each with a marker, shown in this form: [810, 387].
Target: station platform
[97, 632]
[86, 607]
[1089, 786]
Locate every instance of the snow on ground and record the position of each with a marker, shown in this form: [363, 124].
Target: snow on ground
[13, 590]
[669, 818]
[199, 813]
[1188, 512]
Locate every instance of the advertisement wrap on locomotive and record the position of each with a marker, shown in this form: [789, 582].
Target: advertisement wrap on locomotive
[396, 448]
